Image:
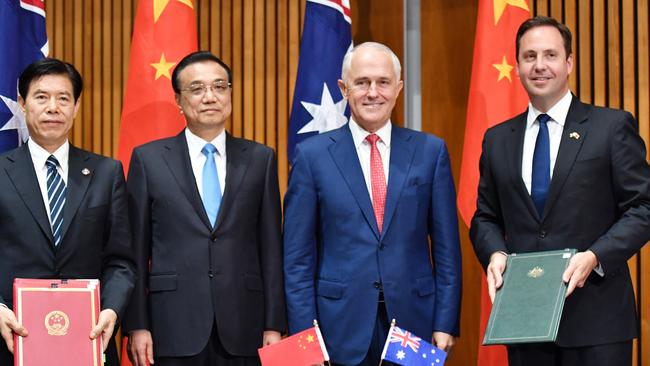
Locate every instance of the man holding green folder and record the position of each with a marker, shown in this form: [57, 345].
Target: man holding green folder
[565, 174]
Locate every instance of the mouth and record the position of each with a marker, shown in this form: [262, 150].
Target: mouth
[540, 79]
[210, 110]
[373, 105]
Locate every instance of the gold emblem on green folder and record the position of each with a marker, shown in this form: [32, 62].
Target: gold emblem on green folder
[537, 271]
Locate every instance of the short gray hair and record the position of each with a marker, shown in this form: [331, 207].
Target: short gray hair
[347, 60]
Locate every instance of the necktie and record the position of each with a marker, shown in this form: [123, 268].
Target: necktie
[56, 197]
[541, 165]
[211, 186]
[377, 180]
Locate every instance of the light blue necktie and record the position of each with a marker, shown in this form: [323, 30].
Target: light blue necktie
[56, 197]
[211, 186]
[541, 165]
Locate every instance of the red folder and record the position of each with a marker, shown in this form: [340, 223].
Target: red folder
[59, 315]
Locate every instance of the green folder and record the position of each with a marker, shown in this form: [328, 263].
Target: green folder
[528, 307]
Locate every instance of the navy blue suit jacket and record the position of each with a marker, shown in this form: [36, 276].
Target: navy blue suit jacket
[335, 257]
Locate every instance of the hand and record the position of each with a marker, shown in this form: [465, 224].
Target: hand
[140, 347]
[580, 267]
[271, 337]
[104, 327]
[494, 271]
[8, 326]
[443, 341]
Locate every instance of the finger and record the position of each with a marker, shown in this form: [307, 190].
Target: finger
[9, 339]
[142, 358]
[150, 352]
[570, 287]
[491, 286]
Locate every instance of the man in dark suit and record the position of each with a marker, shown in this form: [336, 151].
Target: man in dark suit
[369, 207]
[77, 229]
[566, 174]
[209, 289]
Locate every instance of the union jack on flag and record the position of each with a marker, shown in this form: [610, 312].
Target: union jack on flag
[405, 338]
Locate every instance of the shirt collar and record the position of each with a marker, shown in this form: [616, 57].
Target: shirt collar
[195, 144]
[558, 112]
[40, 155]
[359, 134]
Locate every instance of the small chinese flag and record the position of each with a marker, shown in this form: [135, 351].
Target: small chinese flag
[164, 32]
[495, 94]
[301, 349]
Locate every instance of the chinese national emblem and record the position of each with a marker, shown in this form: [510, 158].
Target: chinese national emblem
[57, 323]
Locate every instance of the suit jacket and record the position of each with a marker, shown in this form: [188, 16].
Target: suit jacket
[96, 240]
[195, 275]
[598, 200]
[336, 261]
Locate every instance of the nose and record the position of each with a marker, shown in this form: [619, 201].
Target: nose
[539, 63]
[372, 89]
[210, 94]
[51, 105]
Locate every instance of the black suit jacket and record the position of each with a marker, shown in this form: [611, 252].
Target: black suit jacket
[599, 199]
[190, 275]
[96, 241]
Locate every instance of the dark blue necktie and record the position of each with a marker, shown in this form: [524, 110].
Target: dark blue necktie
[56, 197]
[541, 165]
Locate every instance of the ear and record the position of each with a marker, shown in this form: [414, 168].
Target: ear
[76, 108]
[21, 102]
[343, 88]
[569, 64]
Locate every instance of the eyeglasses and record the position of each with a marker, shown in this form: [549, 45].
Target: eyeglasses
[218, 87]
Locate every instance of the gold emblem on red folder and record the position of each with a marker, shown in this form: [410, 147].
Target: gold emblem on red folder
[537, 271]
[57, 323]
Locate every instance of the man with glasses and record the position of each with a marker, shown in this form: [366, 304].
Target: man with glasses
[205, 212]
[368, 208]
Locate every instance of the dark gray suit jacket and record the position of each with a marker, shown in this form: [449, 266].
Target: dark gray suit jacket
[191, 275]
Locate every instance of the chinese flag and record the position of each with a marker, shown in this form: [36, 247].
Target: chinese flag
[164, 32]
[301, 349]
[495, 95]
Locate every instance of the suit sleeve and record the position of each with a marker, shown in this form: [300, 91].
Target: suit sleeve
[270, 239]
[631, 182]
[300, 245]
[137, 316]
[487, 228]
[118, 272]
[445, 247]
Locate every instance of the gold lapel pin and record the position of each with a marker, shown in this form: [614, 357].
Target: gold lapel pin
[574, 135]
[85, 171]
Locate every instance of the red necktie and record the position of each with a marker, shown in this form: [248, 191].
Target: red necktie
[377, 180]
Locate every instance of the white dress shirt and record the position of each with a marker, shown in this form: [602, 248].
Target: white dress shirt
[195, 144]
[39, 157]
[555, 125]
[363, 149]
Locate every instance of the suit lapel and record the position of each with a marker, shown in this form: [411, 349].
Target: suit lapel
[237, 161]
[401, 157]
[345, 155]
[77, 184]
[569, 148]
[177, 157]
[515, 151]
[24, 179]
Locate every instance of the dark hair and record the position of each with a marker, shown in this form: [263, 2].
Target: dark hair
[192, 58]
[541, 21]
[49, 66]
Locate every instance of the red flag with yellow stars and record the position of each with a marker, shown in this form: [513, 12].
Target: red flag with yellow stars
[300, 349]
[495, 94]
[164, 32]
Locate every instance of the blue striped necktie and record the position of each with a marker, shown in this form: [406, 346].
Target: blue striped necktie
[211, 186]
[56, 196]
[541, 165]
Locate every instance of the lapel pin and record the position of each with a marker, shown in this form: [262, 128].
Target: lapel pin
[85, 171]
[574, 135]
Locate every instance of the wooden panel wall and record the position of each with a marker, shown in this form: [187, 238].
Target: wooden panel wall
[261, 39]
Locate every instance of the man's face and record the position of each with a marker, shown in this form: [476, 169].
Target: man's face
[205, 112]
[543, 66]
[49, 109]
[371, 88]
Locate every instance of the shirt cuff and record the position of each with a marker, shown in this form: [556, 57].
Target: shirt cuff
[599, 270]
[3, 305]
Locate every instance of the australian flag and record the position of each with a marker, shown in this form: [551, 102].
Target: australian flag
[318, 105]
[404, 348]
[23, 40]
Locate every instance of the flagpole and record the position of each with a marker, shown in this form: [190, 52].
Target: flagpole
[390, 331]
